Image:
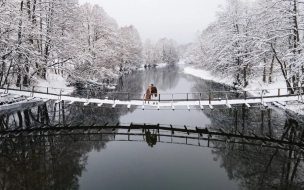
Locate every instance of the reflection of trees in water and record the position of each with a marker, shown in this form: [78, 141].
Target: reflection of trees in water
[131, 83]
[128, 83]
[50, 162]
[256, 166]
[260, 167]
[41, 163]
[164, 78]
[218, 90]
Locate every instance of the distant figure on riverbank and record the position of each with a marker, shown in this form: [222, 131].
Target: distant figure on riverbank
[151, 90]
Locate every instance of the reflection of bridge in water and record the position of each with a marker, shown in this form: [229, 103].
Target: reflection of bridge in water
[48, 137]
[165, 134]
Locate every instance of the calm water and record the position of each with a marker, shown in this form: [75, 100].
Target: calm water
[69, 158]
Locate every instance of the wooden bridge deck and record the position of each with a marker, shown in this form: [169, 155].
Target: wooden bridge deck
[171, 102]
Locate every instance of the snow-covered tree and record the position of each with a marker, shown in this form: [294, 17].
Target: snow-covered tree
[251, 40]
[166, 51]
[130, 53]
[42, 36]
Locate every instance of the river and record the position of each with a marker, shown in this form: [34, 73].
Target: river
[269, 158]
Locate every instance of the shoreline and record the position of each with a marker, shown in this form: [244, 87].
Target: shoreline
[255, 87]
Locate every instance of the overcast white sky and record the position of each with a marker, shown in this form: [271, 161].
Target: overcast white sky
[154, 19]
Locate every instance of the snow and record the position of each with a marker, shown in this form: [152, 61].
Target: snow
[255, 87]
[54, 83]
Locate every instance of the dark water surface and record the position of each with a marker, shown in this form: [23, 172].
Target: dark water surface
[256, 148]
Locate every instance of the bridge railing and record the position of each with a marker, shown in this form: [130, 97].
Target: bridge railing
[193, 96]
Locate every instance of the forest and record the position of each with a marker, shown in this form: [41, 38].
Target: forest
[80, 42]
[249, 40]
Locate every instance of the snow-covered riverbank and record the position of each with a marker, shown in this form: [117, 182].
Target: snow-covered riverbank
[254, 87]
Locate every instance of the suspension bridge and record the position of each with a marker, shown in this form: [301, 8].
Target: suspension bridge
[172, 100]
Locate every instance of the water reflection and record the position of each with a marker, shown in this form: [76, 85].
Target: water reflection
[165, 79]
[151, 138]
[48, 146]
[56, 158]
[262, 165]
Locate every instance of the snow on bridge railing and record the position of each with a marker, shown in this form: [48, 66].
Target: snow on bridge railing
[41, 89]
[127, 96]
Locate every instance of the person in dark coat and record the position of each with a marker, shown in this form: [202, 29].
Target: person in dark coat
[153, 90]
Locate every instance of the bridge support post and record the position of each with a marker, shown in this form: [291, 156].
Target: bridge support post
[227, 104]
[59, 97]
[210, 98]
[32, 93]
[6, 90]
[262, 96]
[278, 92]
[172, 104]
[143, 106]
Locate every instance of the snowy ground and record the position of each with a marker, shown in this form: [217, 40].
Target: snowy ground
[255, 87]
[53, 84]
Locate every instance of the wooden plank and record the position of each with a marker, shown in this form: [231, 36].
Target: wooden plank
[248, 106]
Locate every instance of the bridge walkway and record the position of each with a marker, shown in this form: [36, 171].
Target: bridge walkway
[201, 99]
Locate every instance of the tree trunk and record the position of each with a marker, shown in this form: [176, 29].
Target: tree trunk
[284, 71]
[20, 119]
[18, 82]
[245, 76]
[264, 71]
[27, 118]
[271, 70]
